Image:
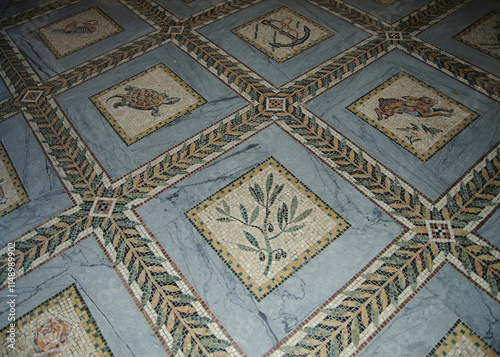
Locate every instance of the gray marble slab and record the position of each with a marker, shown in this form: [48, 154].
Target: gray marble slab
[421, 324]
[448, 297]
[491, 229]
[441, 34]
[44, 61]
[47, 196]
[345, 36]
[433, 177]
[111, 151]
[256, 327]
[7, 8]
[121, 323]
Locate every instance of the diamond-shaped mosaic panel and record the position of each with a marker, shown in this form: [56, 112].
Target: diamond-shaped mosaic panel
[282, 34]
[266, 225]
[12, 192]
[60, 326]
[78, 31]
[461, 340]
[413, 114]
[483, 35]
[146, 102]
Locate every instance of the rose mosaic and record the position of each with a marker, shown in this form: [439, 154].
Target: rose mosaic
[146, 102]
[12, 191]
[462, 341]
[413, 114]
[266, 225]
[60, 326]
[78, 31]
[483, 35]
[282, 34]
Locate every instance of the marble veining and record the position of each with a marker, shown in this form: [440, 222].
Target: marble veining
[291, 212]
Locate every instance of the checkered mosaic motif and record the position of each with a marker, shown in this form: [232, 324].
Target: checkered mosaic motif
[266, 225]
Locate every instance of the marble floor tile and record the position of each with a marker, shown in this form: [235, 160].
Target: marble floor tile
[249, 178]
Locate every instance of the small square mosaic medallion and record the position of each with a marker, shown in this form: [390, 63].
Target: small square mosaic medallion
[462, 341]
[78, 31]
[12, 192]
[282, 34]
[483, 35]
[266, 225]
[413, 114]
[146, 102]
[60, 326]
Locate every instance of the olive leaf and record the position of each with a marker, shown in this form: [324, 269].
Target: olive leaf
[254, 215]
[294, 228]
[276, 192]
[302, 216]
[244, 213]
[251, 239]
[269, 183]
[246, 248]
[293, 207]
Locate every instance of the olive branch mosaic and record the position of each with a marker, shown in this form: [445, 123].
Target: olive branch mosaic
[266, 225]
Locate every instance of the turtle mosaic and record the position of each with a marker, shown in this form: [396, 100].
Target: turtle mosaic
[143, 99]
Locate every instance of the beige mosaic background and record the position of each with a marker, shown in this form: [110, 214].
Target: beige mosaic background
[317, 224]
[134, 123]
[484, 34]
[408, 86]
[261, 35]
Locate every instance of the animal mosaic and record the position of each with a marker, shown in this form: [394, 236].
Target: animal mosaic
[143, 99]
[419, 107]
[79, 27]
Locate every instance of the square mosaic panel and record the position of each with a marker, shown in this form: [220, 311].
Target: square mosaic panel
[142, 104]
[78, 31]
[266, 225]
[413, 114]
[12, 192]
[282, 34]
[483, 35]
[60, 326]
[462, 341]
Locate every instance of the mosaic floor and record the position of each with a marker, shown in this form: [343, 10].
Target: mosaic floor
[250, 178]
